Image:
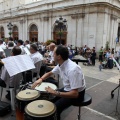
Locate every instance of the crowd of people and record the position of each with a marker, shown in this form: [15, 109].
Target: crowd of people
[73, 87]
[59, 56]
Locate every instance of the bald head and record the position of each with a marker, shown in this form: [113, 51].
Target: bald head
[52, 46]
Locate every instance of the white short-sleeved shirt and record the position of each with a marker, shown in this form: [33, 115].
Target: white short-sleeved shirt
[36, 57]
[71, 75]
[3, 46]
[22, 49]
[28, 46]
[51, 56]
[13, 81]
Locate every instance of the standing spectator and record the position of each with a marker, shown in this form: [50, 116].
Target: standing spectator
[93, 57]
[101, 55]
[112, 51]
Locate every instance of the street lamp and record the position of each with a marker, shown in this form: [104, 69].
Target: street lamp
[61, 25]
[10, 26]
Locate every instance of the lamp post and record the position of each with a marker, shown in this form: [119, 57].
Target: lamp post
[61, 25]
[10, 26]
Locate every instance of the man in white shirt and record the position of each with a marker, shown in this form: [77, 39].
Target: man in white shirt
[50, 58]
[6, 80]
[27, 44]
[37, 58]
[72, 77]
[20, 44]
[35, 55]
[2, 45]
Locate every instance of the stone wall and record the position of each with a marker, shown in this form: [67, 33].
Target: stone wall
[90, 22]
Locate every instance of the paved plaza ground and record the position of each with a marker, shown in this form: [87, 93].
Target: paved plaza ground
[99, 86]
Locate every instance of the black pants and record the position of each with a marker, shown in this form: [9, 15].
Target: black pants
[2, 83]
[93, 61]
[101, 58]
[63, 103]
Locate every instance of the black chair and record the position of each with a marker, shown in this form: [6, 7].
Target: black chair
[87, 101]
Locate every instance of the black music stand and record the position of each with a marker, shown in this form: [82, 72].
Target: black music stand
[112, 96]
[112, 92]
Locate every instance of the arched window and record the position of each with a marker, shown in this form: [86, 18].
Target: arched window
[60, 37]
[33, 33]
[15, 33]
[2, 35]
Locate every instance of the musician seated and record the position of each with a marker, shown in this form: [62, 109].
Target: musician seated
[20, 44]
[27, 44]
[72, 77]
[35, 56]
[6, 80]
[50, 59]
[10, 45]
[2, 45]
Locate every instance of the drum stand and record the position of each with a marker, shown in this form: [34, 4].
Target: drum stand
[112, 96]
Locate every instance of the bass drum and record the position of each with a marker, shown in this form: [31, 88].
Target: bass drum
[40, 110]
[22, 99]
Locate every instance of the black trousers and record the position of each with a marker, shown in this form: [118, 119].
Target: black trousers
[63, 103]
[2, 83]
[101, 58]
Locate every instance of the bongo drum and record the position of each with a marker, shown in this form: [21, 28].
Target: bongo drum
[40, 110]
[44, 94]
[23, 98]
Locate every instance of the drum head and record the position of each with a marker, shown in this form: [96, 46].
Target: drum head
[44, 85]
[40, 108]
[27, 94]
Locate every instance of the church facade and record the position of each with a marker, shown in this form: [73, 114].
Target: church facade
[89, 22]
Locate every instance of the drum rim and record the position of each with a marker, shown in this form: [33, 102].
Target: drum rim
[33, 115]
[47, 83]
[28, 99]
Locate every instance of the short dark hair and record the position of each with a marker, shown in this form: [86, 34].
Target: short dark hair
[27, 41]
[20, 41]
[34, 47]
[10, 38]
[63, 52]
[16, 51]
[10, 44]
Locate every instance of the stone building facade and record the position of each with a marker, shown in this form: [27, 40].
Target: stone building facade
[89, 22]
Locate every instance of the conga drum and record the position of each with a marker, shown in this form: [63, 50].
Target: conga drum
[40, 110]
[44, 94]
[22, 99]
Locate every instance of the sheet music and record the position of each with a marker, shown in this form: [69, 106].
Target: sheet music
[27, 51]
[18, 64]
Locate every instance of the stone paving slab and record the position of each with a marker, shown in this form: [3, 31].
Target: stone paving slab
[101, 96]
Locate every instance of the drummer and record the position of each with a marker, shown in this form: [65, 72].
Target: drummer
[73, 80]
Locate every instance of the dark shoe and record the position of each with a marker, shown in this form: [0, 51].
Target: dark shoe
[8, 96]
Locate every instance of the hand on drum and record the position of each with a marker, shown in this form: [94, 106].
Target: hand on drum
[38, 82]
[50, 90]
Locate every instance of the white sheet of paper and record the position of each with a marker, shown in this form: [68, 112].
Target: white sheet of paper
[44, 85]
[27, 51]
[18, 64]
